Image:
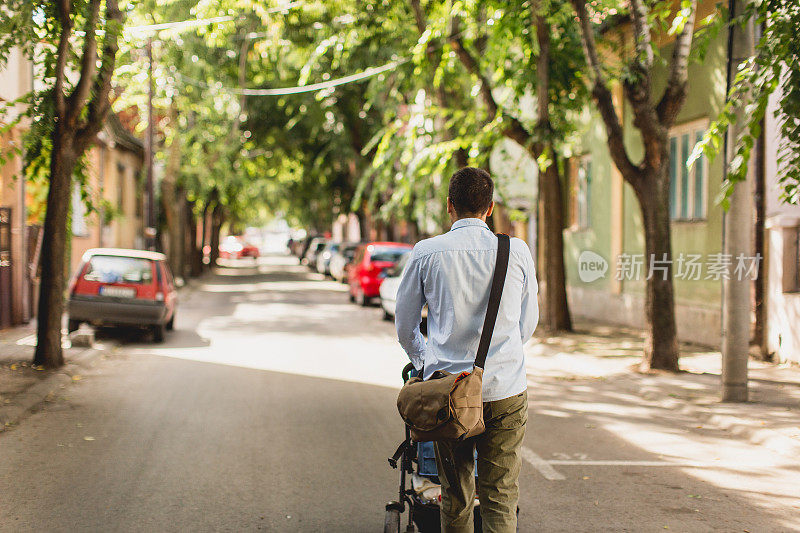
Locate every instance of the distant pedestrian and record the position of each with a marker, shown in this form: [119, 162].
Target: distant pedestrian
[451, 273]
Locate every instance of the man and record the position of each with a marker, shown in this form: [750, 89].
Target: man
[452, 273]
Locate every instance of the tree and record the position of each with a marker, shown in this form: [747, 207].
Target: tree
[775, 66]
[66, 118]
[653, 117]
[523, 61]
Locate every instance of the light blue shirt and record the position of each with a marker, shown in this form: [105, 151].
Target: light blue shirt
[452, 273]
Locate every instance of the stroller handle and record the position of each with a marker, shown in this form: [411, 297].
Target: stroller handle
[407, 371]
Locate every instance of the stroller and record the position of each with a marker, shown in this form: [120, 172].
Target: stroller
[417, 460]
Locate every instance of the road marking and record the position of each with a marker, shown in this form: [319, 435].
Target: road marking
[623, 463]
[541, 465]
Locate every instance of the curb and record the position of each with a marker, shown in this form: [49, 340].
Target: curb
[36, 395]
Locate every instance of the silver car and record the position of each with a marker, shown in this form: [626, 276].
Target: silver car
[340, 259]
[324, 257]
[389, 288]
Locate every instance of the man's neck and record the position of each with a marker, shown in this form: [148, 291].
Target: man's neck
[471, 217]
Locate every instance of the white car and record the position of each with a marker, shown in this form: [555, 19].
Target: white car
[340, 259]
[388, 292]
[389, 287]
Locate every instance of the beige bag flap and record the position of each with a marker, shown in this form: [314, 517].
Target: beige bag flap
[425, 405]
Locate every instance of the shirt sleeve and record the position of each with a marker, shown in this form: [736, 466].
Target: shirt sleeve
[408, 312]
[529, 316]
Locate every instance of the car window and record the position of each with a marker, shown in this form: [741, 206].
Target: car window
[167, 274]
[397, 270]
[387, 254]
[115, 269]
[359, 256]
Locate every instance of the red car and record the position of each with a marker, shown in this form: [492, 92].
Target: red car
[236, 248]
[117, 287]
[370, 260]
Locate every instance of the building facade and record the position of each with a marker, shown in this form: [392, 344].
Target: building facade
[16, 79]
[115, 187]
[604, 220]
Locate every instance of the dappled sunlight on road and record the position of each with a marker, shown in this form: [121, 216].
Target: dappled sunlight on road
[276, 318]
[658, 434]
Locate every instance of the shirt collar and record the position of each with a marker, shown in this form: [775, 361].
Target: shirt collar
[464, 222]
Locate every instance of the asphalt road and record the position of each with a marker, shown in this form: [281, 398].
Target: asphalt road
[272, 407]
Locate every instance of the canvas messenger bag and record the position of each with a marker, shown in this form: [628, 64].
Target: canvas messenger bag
[450, 406]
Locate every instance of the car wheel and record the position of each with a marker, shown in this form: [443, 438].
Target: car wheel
[351, 297]
[171, 323]
[387, 317]
[159, 332]
[73, 325]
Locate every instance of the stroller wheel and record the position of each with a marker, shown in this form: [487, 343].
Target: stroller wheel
[392, 521]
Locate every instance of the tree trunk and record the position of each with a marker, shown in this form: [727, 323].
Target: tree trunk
[204, 237]
[364, 224]
[661, 344]
[193, 252]
[53, 253]
[217, 218]
[557, 317]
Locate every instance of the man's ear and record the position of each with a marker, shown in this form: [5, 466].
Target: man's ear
[451, 210]
[491, 209]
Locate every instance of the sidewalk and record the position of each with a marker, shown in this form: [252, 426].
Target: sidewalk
[22, 386]
[608, 357]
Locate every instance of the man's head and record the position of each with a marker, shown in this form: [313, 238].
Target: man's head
[470, 194]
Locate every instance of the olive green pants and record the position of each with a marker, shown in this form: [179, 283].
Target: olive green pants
[499, 463]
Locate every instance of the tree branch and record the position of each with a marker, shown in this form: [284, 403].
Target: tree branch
[644, 49]
[602, 95]
[419, 16]
[80, 93]
[677, 83]
[512, 127]
[99, 103]
[64, 8]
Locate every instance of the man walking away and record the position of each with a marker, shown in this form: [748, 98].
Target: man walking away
[452, 273]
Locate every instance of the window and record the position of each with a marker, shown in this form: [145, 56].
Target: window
[121, 185]
[581, 190]
[80, 228]
[791, 259]
[688, 187]
[582, 197]
[116, 269]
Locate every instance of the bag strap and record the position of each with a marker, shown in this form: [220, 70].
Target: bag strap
[496, 292]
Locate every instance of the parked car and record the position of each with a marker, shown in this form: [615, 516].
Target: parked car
[118, 287]
[391, 282]
[341, 259]
[301, 247]
[234, 247]
[388, 291]
[315, 247]
[370, 260]
[324, 258]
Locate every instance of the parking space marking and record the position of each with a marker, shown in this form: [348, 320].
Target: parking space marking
[541, 465]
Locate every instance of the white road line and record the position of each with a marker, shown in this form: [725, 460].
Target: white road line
[624, 463]
[540, 464]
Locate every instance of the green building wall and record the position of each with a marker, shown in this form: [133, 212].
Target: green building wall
[704, 101]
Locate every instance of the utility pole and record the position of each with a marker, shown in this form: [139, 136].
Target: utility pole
[737, 234]
[150, 212]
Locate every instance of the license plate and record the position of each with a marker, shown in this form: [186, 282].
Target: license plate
[118, 292]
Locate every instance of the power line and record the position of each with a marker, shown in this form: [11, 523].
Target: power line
[192, 23]
[367, 73]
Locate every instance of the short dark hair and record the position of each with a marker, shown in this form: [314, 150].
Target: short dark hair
[471, 191]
